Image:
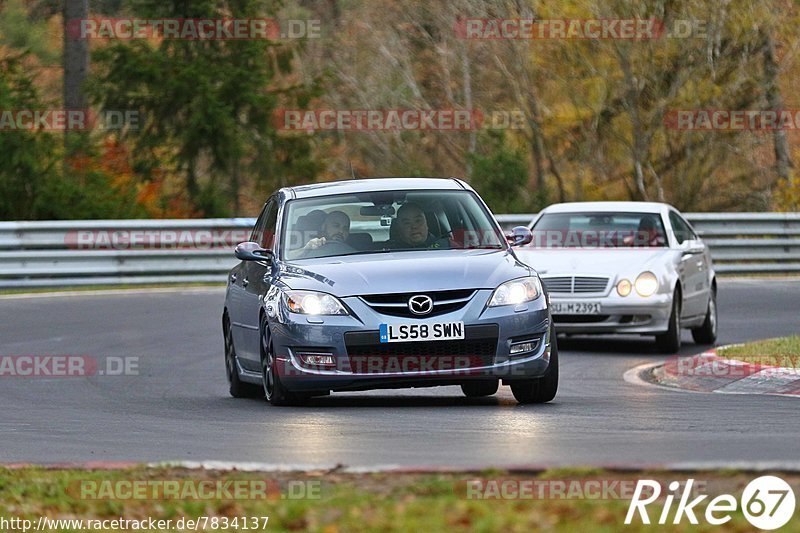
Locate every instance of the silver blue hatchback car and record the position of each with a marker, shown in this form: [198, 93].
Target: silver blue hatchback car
[385, 283]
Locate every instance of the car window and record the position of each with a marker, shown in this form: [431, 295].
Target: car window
[599, 230]
[692, 234]
[258, 228]
[270, 221]
[682, 230]
[379, 221]
[264, 230]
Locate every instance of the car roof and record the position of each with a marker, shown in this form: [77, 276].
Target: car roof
[374, 184]
[603, 207]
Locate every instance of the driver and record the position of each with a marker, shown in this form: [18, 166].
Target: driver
[335, 228]
[648, 233]
[412, 230]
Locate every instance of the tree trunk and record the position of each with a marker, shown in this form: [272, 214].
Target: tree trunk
[191, 183]
[638, 150]
[639, 177]
[538, 144]
[76, 55]
[76, 68]
[473, 135]
[235, 185]
[783, 161]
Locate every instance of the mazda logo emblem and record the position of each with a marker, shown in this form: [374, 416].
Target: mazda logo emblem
[420, 304]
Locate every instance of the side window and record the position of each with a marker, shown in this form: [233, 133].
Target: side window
[258, 229]
[270, 223]
[692, 234]
[682, 230]
[264, 230]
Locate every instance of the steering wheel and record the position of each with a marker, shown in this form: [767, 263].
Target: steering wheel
[336, 247]
[451, 238]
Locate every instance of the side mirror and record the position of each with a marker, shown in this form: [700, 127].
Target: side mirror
[252, 251]
[692, 247]
[519, 236]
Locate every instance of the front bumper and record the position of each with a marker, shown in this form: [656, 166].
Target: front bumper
[630, 314]
[362, 362]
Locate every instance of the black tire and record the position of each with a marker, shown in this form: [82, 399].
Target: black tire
[543, 389]
[273, 389]
[707, 332]
[670, 341]
[478, 389]
[236, 387]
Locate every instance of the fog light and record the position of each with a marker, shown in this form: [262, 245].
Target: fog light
[317, 359]
[522, 347]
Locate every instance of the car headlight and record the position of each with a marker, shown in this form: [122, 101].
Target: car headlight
[516, 291]
[624, 287]
[313, 303]
[646, 284]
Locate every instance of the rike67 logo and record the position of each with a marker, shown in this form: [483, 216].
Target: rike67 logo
[767, 502]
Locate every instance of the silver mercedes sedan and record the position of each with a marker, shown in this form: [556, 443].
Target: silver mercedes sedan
[624, 267]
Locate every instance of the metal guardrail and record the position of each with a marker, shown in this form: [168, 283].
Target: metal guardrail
[100, 252]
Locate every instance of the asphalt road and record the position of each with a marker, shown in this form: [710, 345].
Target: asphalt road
[178, 408]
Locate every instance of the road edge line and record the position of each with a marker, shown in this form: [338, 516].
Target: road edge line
[112, 292]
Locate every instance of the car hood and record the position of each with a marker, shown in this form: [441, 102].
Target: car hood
[393, 272]
[612, 261]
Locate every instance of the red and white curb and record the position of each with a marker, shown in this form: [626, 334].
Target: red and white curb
[709, 372]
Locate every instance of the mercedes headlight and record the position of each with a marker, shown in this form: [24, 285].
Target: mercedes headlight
[313, 303]
[516, 291]
[646, 284]
[624, 287]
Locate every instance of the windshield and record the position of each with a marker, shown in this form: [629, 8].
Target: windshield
[383, 221]
[599, 230]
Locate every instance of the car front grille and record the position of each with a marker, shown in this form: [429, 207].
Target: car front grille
[368, 355]
[576, 284]
[560, 284]
[397, 304]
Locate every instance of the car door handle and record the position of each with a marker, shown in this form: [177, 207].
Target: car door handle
[233, 278]
[245, 282]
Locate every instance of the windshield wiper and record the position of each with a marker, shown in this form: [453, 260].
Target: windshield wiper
[390, 250]
[364, 252]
